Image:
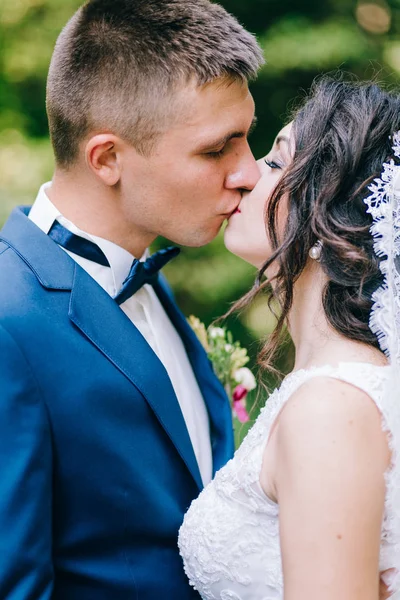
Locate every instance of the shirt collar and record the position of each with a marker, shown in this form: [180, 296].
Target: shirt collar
[43, 213]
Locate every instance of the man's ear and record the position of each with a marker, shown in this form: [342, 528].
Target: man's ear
[102, 156]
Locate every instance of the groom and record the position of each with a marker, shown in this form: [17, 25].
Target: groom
[111, 419]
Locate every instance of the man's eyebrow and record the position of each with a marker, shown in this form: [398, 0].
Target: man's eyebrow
[230, 136]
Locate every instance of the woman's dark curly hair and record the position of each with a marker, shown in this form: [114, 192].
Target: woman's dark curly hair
[342, 135]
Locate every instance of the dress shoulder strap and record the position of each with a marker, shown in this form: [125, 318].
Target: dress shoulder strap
[371, 379]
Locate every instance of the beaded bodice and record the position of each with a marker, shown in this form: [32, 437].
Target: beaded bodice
[229, 540]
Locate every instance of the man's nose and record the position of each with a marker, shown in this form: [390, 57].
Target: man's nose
[245, 175]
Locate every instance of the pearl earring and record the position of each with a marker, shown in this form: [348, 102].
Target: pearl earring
[316, 251]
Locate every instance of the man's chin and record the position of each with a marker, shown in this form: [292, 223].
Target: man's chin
[200, 241]
[201, 238]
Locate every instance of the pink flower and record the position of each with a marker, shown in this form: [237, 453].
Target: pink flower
[239, 392]
[239, 403]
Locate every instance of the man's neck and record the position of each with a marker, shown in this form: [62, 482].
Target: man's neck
[95, 209]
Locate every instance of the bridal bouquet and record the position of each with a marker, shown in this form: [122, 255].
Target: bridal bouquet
[229, 360]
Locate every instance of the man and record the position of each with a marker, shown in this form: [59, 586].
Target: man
[111, 419]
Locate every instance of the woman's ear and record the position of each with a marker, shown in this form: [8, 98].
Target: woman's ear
[102, 157]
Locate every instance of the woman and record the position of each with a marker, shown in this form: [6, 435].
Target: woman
[307, 507]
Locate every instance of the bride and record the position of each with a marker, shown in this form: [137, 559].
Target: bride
[309, 507]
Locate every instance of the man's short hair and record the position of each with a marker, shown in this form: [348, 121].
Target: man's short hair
[117, 64]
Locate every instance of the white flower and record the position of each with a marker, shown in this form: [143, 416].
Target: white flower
[216, 332]
[228, 347]
[246, 378]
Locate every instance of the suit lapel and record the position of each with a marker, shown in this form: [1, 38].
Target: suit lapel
[217, 403]
[106, 325]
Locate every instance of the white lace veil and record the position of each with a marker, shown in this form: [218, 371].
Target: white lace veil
[384, 206]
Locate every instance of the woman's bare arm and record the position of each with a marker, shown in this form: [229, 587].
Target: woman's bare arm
[330, 455]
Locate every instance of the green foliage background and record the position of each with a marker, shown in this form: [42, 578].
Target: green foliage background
[300, 40]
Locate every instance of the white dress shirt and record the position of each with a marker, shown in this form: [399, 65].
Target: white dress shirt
[146, 312]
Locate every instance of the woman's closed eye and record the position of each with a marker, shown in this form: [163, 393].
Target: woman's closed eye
[272, 164]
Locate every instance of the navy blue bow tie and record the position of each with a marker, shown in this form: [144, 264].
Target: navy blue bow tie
[140, 272]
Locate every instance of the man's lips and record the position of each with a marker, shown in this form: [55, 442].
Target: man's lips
[232, 212]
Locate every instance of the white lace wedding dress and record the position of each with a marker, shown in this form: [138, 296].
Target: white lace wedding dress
[229, 540]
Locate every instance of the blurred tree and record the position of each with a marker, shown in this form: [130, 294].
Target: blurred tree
[300, 39]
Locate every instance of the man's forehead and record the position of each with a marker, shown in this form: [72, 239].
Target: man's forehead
[198, 102]
[216, 110]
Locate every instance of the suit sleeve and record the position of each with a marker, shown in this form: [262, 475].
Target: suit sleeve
[26, 570]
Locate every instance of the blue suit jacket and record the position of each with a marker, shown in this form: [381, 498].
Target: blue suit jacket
[96, 464]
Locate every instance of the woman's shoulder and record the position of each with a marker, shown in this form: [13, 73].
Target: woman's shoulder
[343, 388]
[327, 391]
[327, 421]
[338, 407]
[323, 394]
[358, 379]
